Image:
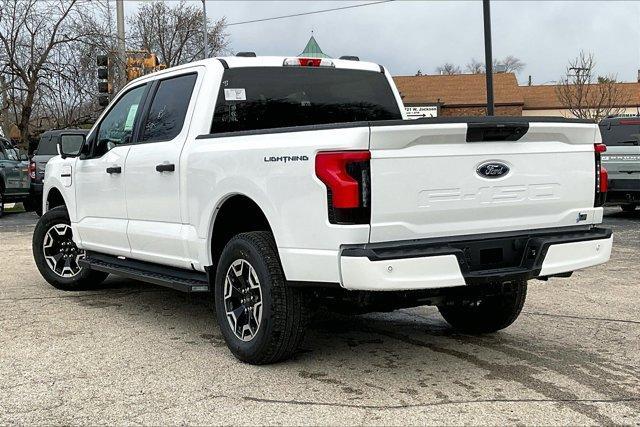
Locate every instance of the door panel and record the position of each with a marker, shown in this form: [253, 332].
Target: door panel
[152, 177]
[101, 208]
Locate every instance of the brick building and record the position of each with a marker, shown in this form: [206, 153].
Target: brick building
[465, 95]
[461, 94]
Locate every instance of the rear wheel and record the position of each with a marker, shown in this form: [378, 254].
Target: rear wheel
[29, 204]
[1, 202]
[488, 314]
[628, 208]
[56, 255]
[261, 318]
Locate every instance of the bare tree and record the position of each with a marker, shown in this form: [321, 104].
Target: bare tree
[174, 33]
[30, 32]
[475, 67]
[448, 69]
[587, 96]
[509, 64]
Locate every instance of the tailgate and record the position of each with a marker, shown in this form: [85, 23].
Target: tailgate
[458, 178]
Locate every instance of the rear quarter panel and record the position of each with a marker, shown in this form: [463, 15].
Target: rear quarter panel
[288, 192]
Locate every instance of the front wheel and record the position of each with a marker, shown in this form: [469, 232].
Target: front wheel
[488, 314]
[56, 255]
[262, 319]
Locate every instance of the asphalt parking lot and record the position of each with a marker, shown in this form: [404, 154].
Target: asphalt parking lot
[132, 353]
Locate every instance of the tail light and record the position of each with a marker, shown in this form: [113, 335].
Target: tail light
[347, 177]
[32, 170]
[602, 177]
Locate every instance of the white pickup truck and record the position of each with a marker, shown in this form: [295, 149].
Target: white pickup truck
[284, 184]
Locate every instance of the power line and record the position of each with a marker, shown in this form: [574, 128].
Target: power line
[308, 13]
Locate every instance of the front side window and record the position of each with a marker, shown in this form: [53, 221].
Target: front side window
[117, 126]
[270, 97]
[168, 109]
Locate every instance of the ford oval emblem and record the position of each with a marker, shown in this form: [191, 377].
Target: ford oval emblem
[492, 170]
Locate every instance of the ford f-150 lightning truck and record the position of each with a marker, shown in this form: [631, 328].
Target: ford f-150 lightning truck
[281, 185]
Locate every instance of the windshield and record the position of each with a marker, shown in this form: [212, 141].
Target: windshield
[620, 134]
[271, 97]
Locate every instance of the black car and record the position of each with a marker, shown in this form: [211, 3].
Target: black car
[48, 148]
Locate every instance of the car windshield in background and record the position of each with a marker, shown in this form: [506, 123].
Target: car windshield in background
[47, 146]
[626, 132]
[265, 98]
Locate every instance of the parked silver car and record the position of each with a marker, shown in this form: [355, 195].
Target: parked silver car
[622, 160]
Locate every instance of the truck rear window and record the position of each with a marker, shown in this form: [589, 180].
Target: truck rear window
[620, 134]
[272, 97]
[48, 146]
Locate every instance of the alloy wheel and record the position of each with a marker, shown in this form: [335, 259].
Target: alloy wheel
[243, 300]
[60, 252]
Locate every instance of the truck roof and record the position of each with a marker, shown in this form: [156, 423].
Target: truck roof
[278, 61]
[268, 61]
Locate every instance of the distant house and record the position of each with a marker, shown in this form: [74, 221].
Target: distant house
[465, 95]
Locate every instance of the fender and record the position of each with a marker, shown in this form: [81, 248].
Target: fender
[213, 207]
[59, 175]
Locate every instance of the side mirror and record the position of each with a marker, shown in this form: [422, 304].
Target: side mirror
[70, 145]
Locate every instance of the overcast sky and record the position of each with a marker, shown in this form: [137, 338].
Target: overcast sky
[409, 35]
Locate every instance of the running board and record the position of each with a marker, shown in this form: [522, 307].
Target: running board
[170, 277]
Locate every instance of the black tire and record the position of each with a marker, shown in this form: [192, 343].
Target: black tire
[1, 201]
[628, 208]
[284, 313]
[84, 279]
[29, 205]
[492, 314]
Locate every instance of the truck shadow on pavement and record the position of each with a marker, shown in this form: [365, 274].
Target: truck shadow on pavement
[410, 355]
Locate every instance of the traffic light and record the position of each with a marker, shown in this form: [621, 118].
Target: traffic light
[104, 79]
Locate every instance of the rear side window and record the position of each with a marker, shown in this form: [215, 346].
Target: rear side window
[621, 134]
[47, 146]
[271, 97]
[168, 109]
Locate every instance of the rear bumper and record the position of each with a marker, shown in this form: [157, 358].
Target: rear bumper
[623, 191]
[468, 260]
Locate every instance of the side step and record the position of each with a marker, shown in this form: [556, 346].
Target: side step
[170, 277]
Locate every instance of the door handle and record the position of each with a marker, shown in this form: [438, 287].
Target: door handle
[166, 167]
[114, 169]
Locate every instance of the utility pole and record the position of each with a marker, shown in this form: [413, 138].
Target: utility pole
[121, 46]
[488, 55]
[204, 30]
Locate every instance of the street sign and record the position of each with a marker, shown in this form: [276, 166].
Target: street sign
[421, 111]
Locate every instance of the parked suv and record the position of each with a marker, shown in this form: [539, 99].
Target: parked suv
[622, 160]
[14, 178]
[287, 184]
[48, 148]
